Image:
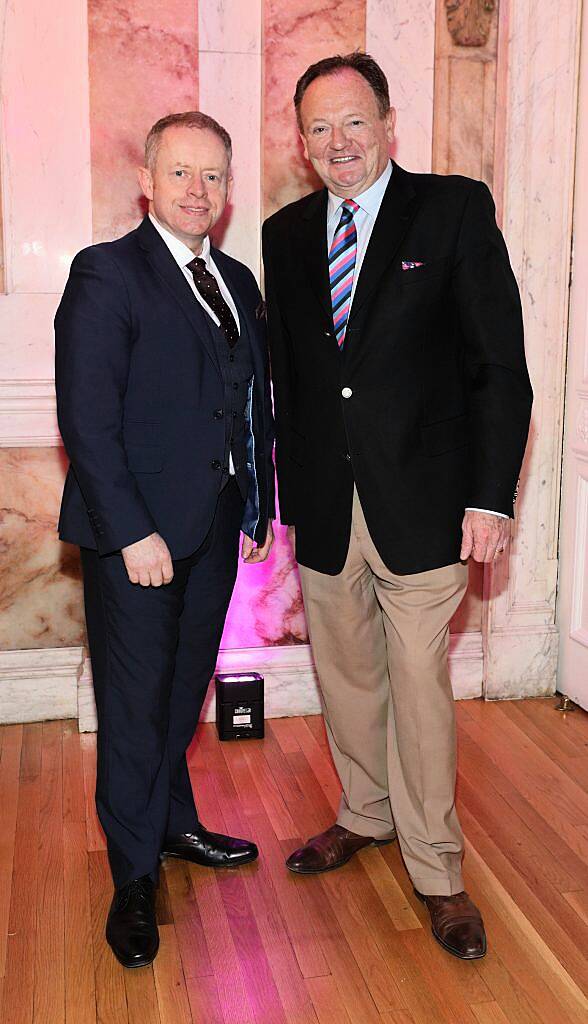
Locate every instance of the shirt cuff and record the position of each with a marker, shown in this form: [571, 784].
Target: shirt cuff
[490, 512]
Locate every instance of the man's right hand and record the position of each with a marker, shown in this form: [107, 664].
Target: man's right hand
[148, 561]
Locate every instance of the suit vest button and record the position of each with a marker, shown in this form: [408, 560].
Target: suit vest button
[215, 464]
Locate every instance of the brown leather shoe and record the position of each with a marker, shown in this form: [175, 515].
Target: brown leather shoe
[330, 850]
[457, 924]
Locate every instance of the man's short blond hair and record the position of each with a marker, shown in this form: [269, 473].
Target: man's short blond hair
[189, 119]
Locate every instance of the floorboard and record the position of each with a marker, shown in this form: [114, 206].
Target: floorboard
[263, 946]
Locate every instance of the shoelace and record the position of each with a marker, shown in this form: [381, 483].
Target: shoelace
[139, 887]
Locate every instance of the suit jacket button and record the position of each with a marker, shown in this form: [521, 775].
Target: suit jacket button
[218, 414]
[215, 464]
[347, 392]
[348, 457]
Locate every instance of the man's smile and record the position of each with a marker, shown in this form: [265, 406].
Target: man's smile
[195, 209]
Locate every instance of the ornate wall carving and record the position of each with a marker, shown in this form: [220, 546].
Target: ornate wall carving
[469, 21]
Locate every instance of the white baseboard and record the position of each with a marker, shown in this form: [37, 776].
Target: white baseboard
[522, 662]
[39, 685]
[57, 682]
[291, 686]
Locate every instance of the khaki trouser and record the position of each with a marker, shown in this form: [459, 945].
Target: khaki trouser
[380, 646]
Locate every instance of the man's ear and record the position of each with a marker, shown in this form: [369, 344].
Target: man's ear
[230, 183]
[390, 123]
[304, 146]
[145, 181]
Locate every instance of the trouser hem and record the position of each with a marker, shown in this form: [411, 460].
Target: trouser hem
[366, 827]
[439, 886]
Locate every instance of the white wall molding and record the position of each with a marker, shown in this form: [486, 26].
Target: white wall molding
[40, 684]
[28, 414]
[57, 683]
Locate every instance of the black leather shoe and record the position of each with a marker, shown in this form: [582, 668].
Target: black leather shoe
[210, 849]
[131, 929]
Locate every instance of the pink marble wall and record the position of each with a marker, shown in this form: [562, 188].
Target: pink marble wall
[41, 601]
[298, 33]
[143, 57]
[143, 63]
[267, 610]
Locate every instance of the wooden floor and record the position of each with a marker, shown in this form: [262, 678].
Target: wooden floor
[262, 946]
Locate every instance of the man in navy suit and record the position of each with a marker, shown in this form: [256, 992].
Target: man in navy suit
[165, 412]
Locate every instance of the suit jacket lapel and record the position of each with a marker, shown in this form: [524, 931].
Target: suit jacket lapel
[396, 212]
[166, 267]
[313, 239]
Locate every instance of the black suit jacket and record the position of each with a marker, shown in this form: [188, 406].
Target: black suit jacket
[138, 384]
[434, 357]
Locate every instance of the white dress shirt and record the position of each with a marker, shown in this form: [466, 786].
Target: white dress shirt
[369, 203]
[183, 255]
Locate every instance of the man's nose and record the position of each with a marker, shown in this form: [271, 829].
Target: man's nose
[197, 187]
[338, 138]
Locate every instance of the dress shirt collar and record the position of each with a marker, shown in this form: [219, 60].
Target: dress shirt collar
[179, 250]
[369, 201]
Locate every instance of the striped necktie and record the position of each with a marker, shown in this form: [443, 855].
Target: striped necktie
[341, 267]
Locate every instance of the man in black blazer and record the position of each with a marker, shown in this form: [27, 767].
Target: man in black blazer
[164, 409]
[402, 405]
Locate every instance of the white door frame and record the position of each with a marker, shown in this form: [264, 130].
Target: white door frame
[573, 584]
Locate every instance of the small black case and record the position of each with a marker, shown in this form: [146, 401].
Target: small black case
[239, 705]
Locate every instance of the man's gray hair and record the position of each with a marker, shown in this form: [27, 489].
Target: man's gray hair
[189, 119]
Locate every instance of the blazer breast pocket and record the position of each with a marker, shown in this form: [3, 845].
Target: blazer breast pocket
[428, 270]
[446, 435]
[144, 458]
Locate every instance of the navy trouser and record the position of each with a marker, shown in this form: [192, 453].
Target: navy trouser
[153, 652]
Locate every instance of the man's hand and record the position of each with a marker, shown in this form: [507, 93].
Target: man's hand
[148, 561]
[251, 553]
[484, 536]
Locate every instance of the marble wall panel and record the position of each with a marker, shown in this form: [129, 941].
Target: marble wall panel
[405, 49]
[297, 33]
[40, 589]
[143, 58]
[235, 59]
[463, 143]
[465, 102]
[539, 114]
[266, 609]
[44, 142]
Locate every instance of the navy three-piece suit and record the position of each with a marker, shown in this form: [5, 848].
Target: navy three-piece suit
[153, 407]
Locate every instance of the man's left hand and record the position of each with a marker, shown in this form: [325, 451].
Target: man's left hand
[484, 536]
[252, 552]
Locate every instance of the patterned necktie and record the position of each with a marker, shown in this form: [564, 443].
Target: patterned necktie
[341, 267]
[207, 285]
